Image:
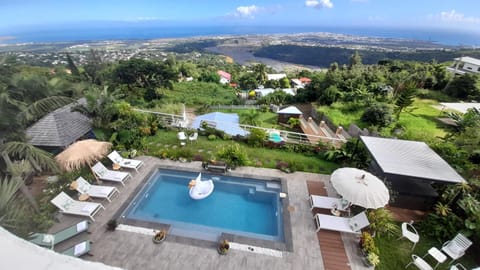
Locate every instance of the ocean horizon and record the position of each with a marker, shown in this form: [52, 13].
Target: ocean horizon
[136, 32]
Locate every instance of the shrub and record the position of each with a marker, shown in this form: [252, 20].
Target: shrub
[294, 122]
[212, 137]
[378, 114]
[234, 155]
[381, 222]
[257, 137]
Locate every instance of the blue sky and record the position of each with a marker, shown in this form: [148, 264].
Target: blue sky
[461, 15]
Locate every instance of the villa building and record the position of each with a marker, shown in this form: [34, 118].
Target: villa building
[464, 65]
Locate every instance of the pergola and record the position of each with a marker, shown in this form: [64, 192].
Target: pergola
[411, 167]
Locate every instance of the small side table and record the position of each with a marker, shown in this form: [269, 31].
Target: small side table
[84, 197]
[437, 255]
[116, 166]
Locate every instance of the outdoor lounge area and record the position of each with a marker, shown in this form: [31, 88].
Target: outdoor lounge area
[135, 249]
[308, 209]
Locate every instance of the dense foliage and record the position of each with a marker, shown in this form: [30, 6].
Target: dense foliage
[324, 56]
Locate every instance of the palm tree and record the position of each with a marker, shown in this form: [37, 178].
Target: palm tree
[12, 145]
[251, 117]
[98, 107]
[9, 205]
[261, 73]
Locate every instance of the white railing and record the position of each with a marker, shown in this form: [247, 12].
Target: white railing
[169, 119]
[182, 121]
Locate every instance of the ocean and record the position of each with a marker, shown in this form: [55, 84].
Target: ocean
[142, 32]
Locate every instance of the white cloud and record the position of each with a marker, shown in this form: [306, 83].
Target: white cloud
[246, 11]
[454, 17]
[319, 3]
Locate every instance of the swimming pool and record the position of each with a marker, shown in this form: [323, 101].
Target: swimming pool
[239, 206]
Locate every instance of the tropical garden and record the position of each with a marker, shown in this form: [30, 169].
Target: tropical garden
[391, 98]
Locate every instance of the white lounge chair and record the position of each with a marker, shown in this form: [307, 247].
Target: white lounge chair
[456, 247]
[104, 192]
[317, 201]
[342, 224]
[115, 157]
[105, 174]
[70, 206]
[409, 232]
[50, 240]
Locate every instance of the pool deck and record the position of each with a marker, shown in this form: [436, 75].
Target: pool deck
[130, 250]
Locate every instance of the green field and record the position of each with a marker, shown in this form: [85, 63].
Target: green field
[417, 121]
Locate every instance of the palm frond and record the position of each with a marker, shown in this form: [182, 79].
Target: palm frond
[8, 212]
[38, 158]
[43, 106]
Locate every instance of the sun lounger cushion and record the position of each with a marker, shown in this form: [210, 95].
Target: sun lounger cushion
[80, 249]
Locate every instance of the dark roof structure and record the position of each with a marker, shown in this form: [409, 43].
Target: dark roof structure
[410, 158]
[59, 128]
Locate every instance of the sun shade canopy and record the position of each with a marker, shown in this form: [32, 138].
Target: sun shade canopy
[410, 158]
[226, 122]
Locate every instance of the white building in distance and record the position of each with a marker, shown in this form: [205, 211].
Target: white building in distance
[464, 65]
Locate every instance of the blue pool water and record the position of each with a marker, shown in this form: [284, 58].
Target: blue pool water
[239, 206]
[274, 137]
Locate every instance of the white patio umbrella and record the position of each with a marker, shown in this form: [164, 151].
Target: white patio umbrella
[360, 187]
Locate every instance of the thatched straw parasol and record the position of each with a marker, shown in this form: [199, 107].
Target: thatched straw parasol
[82, 153]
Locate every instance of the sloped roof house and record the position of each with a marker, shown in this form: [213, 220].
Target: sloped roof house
[60, 128]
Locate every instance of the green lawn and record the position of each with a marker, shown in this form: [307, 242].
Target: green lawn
[395, 254]
[418, 121]
[258, 156]
[341, 115]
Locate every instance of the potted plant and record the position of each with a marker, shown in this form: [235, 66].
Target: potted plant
[223, 247]
[112, 225]
[382, 222]
[159, 236]
[369, 249]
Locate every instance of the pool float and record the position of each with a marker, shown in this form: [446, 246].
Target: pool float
[200, 189]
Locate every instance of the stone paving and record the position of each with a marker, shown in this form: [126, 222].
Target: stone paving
[130, 250]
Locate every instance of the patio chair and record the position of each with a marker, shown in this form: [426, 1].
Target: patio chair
[70, 206]
[458, 266]
[342, 224]
[78, 250]
[456, 247]
[108, 175]
[317, 201]
[135, 164]
[182, 137]
[420, 263]
[409, 232]
[194, 137]
[50, 240]
[96, 191]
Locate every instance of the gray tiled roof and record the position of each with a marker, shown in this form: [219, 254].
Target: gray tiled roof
[410, 158]
[60, 128]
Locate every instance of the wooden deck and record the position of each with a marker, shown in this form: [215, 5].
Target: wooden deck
[331, 243]
[406, 215]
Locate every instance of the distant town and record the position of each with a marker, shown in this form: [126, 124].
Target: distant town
[240, 48]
